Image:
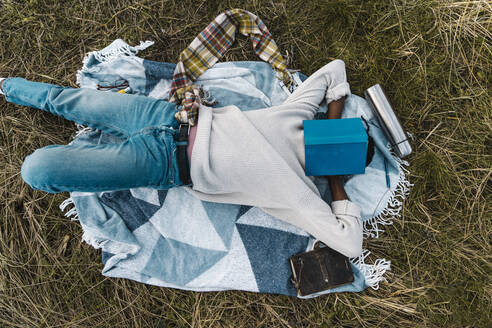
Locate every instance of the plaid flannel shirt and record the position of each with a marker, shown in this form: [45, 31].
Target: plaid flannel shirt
[209, 46]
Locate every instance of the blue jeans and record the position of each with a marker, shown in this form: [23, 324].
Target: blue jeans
[147, 157]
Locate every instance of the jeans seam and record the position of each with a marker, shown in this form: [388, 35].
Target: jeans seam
[149, 131]
[171, 165]
[104, 187]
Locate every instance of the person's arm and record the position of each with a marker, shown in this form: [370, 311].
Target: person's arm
[336, 187]
[336, 183]
[335, 108]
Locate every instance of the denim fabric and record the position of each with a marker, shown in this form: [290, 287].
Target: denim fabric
[146, 157]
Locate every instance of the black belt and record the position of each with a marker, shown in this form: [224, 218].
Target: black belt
[181, 146]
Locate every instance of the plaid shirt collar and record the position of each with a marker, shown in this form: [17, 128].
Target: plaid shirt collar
[209, 46]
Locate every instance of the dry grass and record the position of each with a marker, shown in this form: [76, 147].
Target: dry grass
[433, 57]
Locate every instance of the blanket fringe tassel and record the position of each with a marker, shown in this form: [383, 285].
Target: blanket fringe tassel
[373, 273]
[72, 214]
[115, 49]
[81, 130]
[373, 226]
[94, 242]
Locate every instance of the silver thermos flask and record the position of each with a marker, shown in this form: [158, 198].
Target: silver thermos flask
[381, 107]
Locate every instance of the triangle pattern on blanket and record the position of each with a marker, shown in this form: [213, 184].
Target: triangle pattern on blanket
[242, 210]
[128, 207]
[155, 84]
[179, 263]
[147, 238]
[187, 223]
[268, 252]
[242, 277]
[222, 217]
[162, 196]
[148, 195]
[148, 209]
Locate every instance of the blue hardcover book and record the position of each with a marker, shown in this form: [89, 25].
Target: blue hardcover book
[335, 147]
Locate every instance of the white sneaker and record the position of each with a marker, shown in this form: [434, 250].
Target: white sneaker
[1, 91]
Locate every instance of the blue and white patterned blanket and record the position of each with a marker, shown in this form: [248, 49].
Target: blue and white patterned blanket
[146, 235]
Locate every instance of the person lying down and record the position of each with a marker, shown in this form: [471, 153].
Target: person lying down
[251, 158]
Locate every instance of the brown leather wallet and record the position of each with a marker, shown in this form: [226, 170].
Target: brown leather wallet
[320, 269]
